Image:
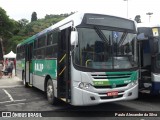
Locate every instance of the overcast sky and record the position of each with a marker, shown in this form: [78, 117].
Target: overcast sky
[18, 9]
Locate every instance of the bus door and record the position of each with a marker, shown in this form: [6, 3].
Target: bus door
[155, 60]
[63, 66]
[28, 64]
[148, 57]
[145, 55]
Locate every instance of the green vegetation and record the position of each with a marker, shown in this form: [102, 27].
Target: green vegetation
[13, 32]
[34, 17]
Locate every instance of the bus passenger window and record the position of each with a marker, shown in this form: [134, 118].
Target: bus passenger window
[35, 44]
[49, 39]
[51, 51]
[41, 41]
[52, 38]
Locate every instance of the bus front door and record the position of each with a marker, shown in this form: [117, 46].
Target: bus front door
[63, 63]
[150, 67]
[28, 65]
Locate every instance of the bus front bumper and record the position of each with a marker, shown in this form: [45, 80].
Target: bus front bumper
[84, 97]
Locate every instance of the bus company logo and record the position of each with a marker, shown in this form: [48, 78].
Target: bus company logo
[38, 67]
[114, 85]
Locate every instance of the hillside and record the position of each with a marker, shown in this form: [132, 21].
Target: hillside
[13, 32]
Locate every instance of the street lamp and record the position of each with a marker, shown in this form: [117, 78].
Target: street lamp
[127, 7]
[149, 13]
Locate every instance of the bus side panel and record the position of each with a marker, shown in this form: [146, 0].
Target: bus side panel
[42, 68]
[38, 82]
[19, 68]
[76, 93]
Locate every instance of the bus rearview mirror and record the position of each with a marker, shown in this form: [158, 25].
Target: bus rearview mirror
[74, 38]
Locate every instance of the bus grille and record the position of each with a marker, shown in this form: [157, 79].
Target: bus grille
[111, 77]
[111, 97]
[109, 86]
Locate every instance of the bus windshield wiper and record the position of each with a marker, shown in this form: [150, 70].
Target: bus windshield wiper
[101, 35]
[122, 38]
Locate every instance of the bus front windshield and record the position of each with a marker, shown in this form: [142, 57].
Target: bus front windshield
[105, 49]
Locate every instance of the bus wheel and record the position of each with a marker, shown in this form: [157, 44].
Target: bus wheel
[24, 80]
[50, 92]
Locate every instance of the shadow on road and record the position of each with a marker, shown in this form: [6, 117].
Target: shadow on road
[105, 107]
[149, 98]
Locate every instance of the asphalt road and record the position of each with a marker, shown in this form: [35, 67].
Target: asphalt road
[15, 97]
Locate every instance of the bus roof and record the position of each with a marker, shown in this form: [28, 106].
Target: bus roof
[73, 20]
[76, 18]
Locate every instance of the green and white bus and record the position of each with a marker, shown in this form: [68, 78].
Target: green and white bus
[85, 59]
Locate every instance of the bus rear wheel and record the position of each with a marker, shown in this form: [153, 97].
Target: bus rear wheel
[50, 92]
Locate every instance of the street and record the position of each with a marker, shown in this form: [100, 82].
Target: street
[15, 97]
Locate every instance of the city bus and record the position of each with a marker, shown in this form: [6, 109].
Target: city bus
[85, 59]
[149, 58]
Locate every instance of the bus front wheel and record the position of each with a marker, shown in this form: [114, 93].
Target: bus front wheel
[50, 92]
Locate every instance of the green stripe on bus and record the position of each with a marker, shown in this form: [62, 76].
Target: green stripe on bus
[44, 67]
[118, 81]
[100, 83]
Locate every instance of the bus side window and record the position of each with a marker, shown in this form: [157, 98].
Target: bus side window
[31, 51]
[50, 39]
[34, 54]
[51, 50]
[55, 37]
[41, 41]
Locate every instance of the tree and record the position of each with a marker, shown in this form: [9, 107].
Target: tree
[34, 17]
[6, 24]
[137, 18]
[16, 27]
[6, 29]
[23, 22]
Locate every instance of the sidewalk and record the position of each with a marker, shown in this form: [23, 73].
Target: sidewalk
[10, 82]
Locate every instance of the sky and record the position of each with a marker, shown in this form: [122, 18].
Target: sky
[18, 9]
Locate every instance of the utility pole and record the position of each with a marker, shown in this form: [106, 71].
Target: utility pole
[149, 14]
[127, 7]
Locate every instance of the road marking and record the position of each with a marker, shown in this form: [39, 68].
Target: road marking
[15, 104]
[11, 86]
[12, 101]
[10, 97]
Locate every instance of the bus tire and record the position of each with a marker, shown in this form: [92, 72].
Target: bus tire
[50, 92]
[24, 80]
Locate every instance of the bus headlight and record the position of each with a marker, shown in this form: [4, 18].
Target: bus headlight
[87, 86]
[83, 85]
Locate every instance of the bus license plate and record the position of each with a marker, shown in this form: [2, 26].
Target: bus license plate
[114, 93]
